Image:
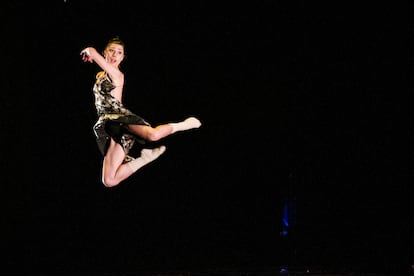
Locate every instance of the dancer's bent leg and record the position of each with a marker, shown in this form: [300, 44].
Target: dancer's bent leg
[147, 156]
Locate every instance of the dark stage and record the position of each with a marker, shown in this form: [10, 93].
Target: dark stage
[303, 164]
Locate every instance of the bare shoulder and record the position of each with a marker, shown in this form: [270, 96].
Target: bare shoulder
[118, 79]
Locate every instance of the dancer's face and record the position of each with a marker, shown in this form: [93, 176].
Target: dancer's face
[114, 54]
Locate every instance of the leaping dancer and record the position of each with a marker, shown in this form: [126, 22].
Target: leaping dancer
[117, 128]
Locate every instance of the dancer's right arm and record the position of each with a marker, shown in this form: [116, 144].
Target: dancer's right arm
[90, 54]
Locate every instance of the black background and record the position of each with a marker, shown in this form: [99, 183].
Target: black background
[300, 102]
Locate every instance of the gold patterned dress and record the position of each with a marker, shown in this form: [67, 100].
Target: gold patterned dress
[112, 118]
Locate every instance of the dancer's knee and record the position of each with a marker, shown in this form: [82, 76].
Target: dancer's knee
[109, 181]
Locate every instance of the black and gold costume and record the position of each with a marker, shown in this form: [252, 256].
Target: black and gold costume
[113, 118]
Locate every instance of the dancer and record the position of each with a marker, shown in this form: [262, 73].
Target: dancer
[117, 128]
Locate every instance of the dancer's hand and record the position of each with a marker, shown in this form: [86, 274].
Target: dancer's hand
[86, 55]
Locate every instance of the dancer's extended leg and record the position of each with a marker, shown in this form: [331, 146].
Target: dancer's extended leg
[156, 133]
[188, 123]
